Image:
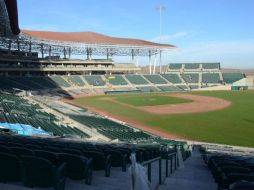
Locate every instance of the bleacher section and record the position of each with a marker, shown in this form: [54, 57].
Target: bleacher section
[75, 80]
[34, 161]
[16, 110]
[193, 66]
[191, 77]
[229, 166]
[156, 79]
[174, 66]
[136, 79]
[95, 80]
[111, 129]
[117, 80]
[60, 81]
[211, 66]
[230, 78]
[173, 78]
[210, 78]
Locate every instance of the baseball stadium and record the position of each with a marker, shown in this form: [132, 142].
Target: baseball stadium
[73, 117]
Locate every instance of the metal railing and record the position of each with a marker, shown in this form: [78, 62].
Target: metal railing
[168, 159]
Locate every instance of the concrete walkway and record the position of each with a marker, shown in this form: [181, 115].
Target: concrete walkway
[194, 176]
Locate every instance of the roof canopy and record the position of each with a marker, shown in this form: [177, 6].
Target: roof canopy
[91, 38]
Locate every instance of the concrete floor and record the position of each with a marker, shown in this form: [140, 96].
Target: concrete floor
[194, 176]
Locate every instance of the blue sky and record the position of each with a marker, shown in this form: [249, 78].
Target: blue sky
[203, 30]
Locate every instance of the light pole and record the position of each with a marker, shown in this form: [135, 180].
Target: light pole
[161, 9]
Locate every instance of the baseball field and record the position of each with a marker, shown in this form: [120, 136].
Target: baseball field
[225, 117]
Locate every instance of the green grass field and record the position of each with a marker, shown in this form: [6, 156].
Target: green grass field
[150, 100]
[233, 125]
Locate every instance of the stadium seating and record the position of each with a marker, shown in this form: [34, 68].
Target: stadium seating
[228, 166]
[183, 87]
[60, 81]
[210, 78]
[173, 66]
[40, 172]
[210, 66]
[45, 82]
[173, 78]
[191, 77]
[117, 80]
[232, 77]
[156, 79]
[192, 66]
[13, 112]
[136, 79]
[111, 129]
[95, 80]
[75, 80]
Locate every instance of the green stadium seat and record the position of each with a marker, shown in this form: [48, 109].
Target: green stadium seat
[136, 79]
[192, 66]
[190, 77]
[211, 65]
[10, 168]
[175, 66]
[156, 79]
[95, 80]
[173, 78]
[117, 80]
[78, 167]
[230, 78]
[210, 78]
[39, 172]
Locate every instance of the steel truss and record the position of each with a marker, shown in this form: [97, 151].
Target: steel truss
[66, 49]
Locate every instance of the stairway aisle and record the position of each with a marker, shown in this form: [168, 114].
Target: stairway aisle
[194, 176]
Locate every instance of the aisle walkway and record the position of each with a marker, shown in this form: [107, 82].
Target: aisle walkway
[194, 176]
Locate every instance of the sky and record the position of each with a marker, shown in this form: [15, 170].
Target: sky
[203, 30]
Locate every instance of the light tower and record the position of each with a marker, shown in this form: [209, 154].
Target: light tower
[161, 9]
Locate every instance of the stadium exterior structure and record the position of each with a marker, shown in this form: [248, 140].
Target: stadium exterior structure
[56, 45]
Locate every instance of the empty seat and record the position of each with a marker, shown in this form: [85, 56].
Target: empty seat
[22, 151]
[117, 159]
[39, 172]
[5, 149]
[52, 157]
[78, 167]
[100, 161]
[10, 168]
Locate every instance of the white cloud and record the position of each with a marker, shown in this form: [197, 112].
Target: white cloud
[167, 38]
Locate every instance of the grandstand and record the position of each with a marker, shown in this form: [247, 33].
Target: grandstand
[47, 143]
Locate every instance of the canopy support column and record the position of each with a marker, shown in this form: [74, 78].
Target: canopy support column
[160, 60]
[50, 52]
[42, 51]
[150, 62]
[154, 63]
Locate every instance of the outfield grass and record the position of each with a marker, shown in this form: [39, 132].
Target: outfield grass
[233, 125]
[150, 100]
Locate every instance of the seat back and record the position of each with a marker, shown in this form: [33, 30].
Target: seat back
[52, 157]
[38, 172]
[75, 165]
[5, 149]
[19, 151]
[10, 168]
[98, 159]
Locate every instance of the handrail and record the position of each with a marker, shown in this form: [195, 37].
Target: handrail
[167, 158]
[151, 161]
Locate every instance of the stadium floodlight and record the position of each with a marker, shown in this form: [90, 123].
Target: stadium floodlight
[161, 9]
